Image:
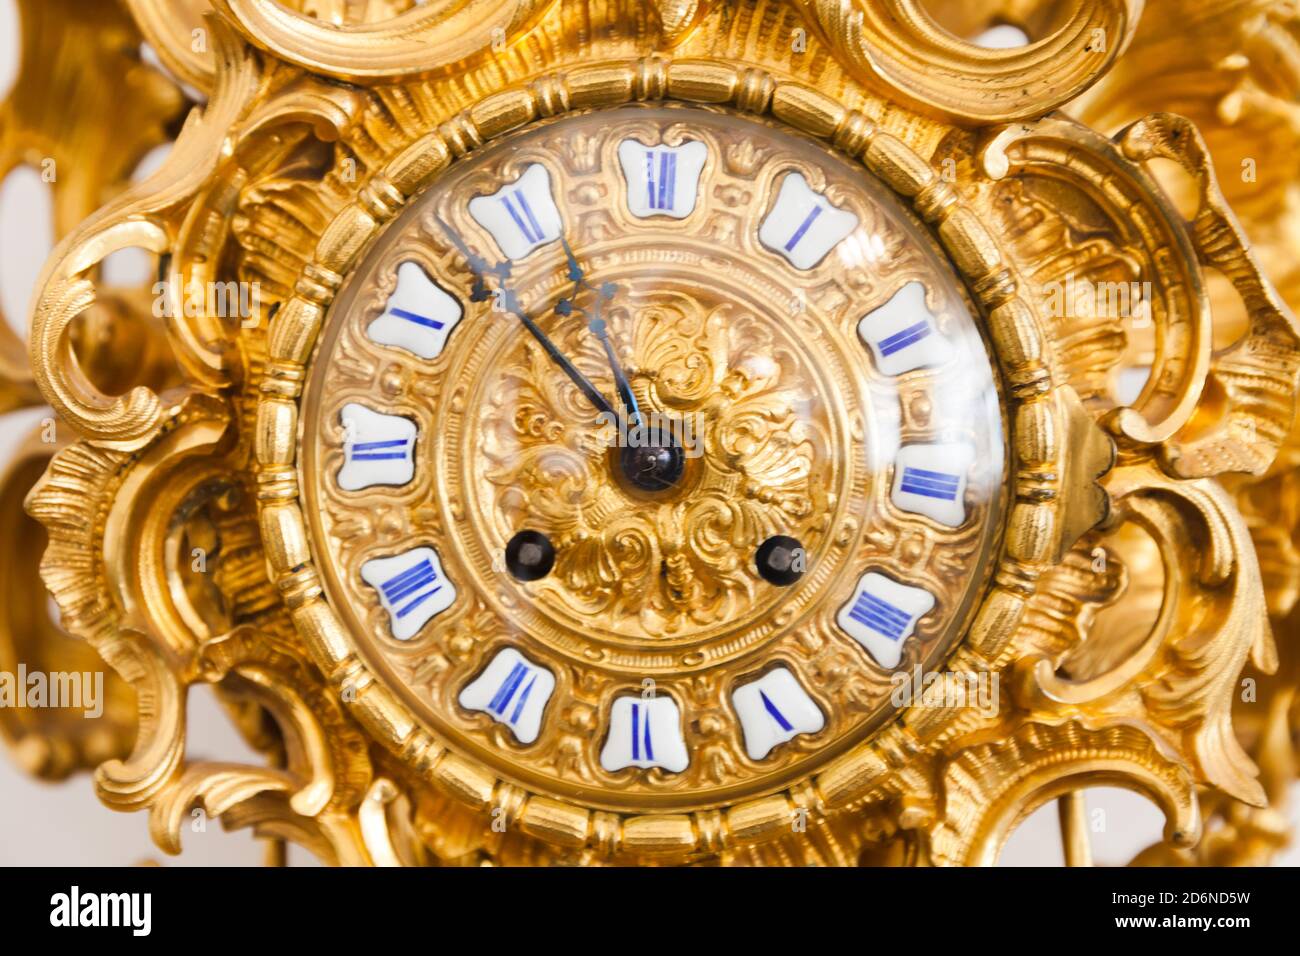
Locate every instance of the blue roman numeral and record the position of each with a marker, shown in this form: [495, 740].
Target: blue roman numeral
[402, 586]
[522, 213]
[880, 616]
[423, 320]
[638, 736]
[662, 197]
[507, 691]
[931, 484]
[380, 450]
[776, 714]
[803, 228]
[901, 340]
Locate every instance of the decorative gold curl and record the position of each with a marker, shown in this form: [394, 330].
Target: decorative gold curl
[47, 742]
[1251, 386]
[175, 29]
[899, 44]
[1231, 68]
[1202, 413]
[991, 787]
[679, 17]
[424, 40]
[139, 218]
[76, 60]
[1211, 619]
[170, 27]
[112, 568]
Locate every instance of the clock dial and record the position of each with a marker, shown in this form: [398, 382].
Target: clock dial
[645, 447]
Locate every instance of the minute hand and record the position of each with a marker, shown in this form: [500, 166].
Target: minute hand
[511, 305]
[510, 302]
[596, 323]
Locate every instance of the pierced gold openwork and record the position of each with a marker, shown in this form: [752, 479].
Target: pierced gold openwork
[1109, 580]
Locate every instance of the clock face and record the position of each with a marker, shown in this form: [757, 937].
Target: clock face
[645, 449]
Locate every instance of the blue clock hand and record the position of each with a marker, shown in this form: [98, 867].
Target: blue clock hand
[597, 325]
[481, 268]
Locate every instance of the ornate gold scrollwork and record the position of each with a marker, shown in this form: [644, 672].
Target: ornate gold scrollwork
[1248, 396]
[1074, 719]
[74, 61]
[1210, 619]
[991, 787]
[49, 742]
[1203, 412]
[79, 579]
[136, 219]
[898, 43]
[254, 190]
[123, 582]
[174, 28]
[425, 39]
[1228, 69]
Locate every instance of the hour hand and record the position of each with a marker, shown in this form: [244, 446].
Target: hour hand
[621, 383]
[596, 323]
[481, 268]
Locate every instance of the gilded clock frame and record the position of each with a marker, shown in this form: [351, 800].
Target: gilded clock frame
[1029, 542]
[936, 785]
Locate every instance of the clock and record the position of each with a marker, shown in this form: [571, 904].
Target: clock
[645, 449]
[734, 433]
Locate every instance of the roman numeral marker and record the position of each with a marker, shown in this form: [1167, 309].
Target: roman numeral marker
[512, 690]
[931, 484]
[774, 709]
[644, 732]
[507, 692]
[931, 480]
[521, 215]
[662, 180]
[418, 317]
[517, 203]
[903, 334]
[803, 229]
[412, 588]
[401, 586]
[378, 449]
[381, 450]
[880, 616]
[802, 225]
